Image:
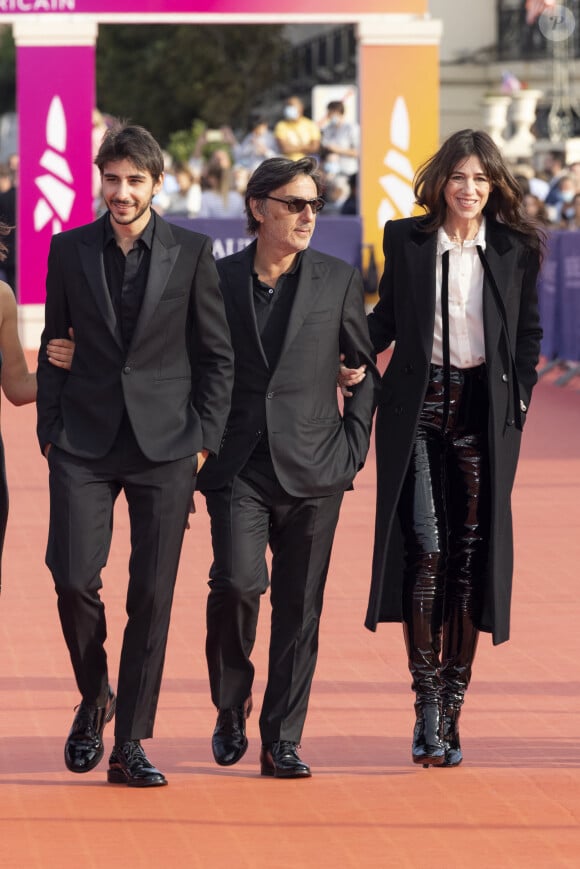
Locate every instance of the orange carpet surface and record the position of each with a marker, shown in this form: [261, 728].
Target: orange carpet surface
[515, 801]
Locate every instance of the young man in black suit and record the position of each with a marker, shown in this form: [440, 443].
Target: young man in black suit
[286, 458]
[144, 404]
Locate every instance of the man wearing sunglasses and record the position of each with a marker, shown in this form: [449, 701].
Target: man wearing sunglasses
[286, 458]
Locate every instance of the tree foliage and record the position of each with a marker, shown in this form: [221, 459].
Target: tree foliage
[167, 76]
[7, 71]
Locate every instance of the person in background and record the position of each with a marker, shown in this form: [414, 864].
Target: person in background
[458, 299]
[18, 383]
[555, 167]
[186, 200]
[350, 206]
[336, 194]
[146, 403]
[567, 190]
[98, 130]
[258, 145]
[287, 457]
[219, 199]
[8, 222]
[296, 135]
[571, 215]
[535, 209]
[340, 138]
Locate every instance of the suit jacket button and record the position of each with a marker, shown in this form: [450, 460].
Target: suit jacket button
[409, 369]
[127, 369]
[510, 422]
[269, 395]
[505, 378]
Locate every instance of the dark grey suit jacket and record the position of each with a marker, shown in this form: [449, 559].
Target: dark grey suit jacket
[315, 449]
[175, 379]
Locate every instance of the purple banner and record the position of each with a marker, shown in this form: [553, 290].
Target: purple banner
[549, 297]
[55, 99]
[569, 283]
[339, 236]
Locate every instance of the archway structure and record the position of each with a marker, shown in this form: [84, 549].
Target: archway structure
[56, 39]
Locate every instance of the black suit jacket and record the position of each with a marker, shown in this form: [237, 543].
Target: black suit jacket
[315, 450]
[175, 379]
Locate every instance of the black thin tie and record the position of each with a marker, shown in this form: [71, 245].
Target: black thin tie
[445, 321]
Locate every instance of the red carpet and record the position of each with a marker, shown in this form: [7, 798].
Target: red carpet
[515, 802]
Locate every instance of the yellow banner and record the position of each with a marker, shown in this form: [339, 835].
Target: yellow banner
[399, 128]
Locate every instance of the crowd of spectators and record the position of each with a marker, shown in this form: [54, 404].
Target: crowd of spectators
[551, 193]
[212, 182]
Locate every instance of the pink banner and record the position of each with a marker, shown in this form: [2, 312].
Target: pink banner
[55, 99]
[220, 7]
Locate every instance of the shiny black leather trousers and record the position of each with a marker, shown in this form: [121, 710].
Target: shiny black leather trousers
[444, 512]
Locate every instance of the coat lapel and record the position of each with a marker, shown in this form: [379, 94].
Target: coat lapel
[91, 255]
[497, 249]
[421, 287]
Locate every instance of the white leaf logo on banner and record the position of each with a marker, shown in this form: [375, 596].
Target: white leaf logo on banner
[57, 195]
[398, 183]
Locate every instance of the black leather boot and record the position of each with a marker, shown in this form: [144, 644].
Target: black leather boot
[423, 655]
[450, 729]
[460, 638]
[428, 747]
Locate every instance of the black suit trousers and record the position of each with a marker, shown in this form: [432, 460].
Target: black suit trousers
[246, 516]
[82, 496]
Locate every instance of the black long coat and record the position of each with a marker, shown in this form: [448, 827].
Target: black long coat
[405, 314]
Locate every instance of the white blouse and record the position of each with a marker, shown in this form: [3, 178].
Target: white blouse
[466, 339]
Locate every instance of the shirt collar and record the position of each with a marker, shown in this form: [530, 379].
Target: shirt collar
[146, 236]
[444, 243]
[292, 271]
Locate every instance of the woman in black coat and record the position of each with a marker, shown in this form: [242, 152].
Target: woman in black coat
[453, 404]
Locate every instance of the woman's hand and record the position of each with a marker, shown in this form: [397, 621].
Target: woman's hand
[60, 351]
[348, 377]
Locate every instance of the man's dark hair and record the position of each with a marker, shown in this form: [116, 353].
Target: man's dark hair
[128, 142]
[272, 174]
[336, 106]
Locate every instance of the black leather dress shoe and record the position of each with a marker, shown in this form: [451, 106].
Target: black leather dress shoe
[84, 746]
[280, 760]
[128, 765]
[229, 741]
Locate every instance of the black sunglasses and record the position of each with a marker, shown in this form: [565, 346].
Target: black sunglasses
[295, 206]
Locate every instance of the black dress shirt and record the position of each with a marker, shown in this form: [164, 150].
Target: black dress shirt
[272, 306]
[127, 276]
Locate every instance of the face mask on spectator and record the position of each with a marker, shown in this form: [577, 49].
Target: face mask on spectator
[291, 113]
[567, 195]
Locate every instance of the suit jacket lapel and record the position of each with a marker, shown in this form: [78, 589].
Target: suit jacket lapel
[238, 272]
[312, 278]
[164, 253]
[91, 254]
